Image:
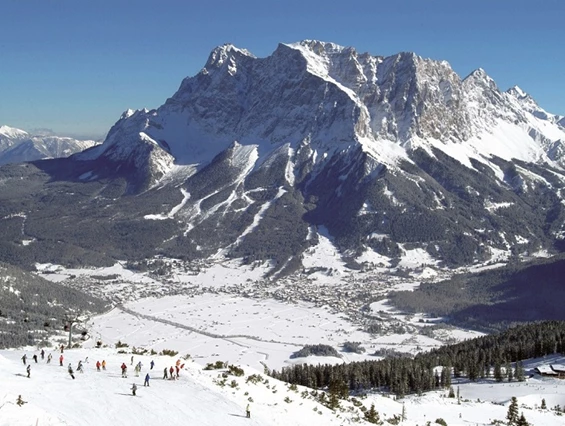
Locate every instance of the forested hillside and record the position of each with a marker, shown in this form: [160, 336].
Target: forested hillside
[498, 356]
[32, 308]
[493, 299]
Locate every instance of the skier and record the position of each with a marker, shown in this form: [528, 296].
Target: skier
[79, 367]
[138, 368]
[146, 382]
[124, 369]
[42, 354]
[132, 360]
[62, 348]
[61, 360]
[71, 372]
[35, 358]
[49, 358]
[152, 364]
[177, 371]
[97, 365]
[165, 373]
[171, 373]
[28, 369]
[20, 401]
[133, 389]
[24, 358]
[103, 364]
[248, 411]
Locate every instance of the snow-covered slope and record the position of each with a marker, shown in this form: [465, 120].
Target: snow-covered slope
[103, 398]
[10, 136]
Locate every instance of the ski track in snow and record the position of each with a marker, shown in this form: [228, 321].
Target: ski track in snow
[256, 220]
[174, 210]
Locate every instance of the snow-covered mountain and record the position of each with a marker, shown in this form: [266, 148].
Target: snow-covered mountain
[18, 146]
[261, 158]
[10, 136]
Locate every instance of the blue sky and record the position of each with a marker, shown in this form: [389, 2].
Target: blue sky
[75, 66]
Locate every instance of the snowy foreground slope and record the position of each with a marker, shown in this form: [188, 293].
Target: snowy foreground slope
[104, 398]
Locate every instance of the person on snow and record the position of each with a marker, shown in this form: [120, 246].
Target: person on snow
[124, 369]
[97, 365]
[42, 353]
[103, 364]
[171, 373]
[146, 382]
[152, 364]
[177, 369]
[28, 369]
[165, 373]
[79, 367]
[71, 372]
[49, 358]
[35, 358]
[24, 359]
[133, 389]
[61, 360]
[248, 411]
[20, 401]
[138, 368]
[62, 348]
[132, 360]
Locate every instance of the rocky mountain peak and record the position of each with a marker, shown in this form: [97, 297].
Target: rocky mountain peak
[226, 55]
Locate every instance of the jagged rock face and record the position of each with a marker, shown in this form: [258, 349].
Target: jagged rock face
[252, 155]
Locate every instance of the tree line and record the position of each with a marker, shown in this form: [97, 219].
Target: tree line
[498, 356]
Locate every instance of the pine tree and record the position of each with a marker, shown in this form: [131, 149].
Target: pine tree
[512, 415]
[372, 416]
[508, 371]
[522, 421]
[445, 377]
[519, 373]
[497, 372]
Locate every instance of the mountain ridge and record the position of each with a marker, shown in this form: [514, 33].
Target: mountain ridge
[268, 150]
[17, 146]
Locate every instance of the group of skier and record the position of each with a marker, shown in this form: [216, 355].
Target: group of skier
[171, 373]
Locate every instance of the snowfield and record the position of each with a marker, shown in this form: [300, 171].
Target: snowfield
[204, 397]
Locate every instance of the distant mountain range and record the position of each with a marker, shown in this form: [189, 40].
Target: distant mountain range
[18, 146]
[261, 158]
